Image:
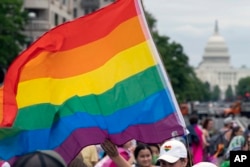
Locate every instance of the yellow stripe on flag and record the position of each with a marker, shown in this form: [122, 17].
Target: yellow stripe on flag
[123, 65]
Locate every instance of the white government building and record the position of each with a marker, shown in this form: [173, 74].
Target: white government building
[215, 66]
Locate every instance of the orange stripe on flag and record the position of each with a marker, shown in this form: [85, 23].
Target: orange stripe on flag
[70, 63]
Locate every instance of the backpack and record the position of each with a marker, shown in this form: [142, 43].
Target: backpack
[217, 144]
[192, 136]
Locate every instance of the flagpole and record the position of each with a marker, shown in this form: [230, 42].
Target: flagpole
[154, 49]
[164, 72]
[142, 5]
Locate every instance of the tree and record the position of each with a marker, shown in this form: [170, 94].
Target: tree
[12, 40]
[186, 85]
[203, 91]
[207, 92]
[215, 95]
[243, 87]
[229, 95]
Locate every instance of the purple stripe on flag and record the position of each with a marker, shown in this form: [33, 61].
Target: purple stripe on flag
[153, 133]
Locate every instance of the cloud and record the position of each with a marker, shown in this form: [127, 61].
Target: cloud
[191, 30]
[191, 23]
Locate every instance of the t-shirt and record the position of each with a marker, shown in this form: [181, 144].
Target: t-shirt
[89, 155]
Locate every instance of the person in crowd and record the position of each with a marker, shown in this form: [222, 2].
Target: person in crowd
[227, 130]
[155, 152]
[237, 141]
[173, 153]
[4, 163]
[125, 151]
[207, 127]
[77, 162]
[247, 130]
[90, 155]
[204, 164]
[247, 141]
[197, 146]
[143, 156]
[112, 152]
[41, 158]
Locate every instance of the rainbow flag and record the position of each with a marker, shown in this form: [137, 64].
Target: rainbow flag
[93, 78]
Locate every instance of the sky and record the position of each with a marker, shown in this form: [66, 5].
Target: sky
[191, 23]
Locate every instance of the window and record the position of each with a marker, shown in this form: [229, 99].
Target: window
[75, 12]
[56, 19]
[87, 10]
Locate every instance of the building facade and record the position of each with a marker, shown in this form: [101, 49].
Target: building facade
[46, 14]
[215, 67]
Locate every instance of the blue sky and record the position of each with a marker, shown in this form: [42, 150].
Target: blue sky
[191, 23]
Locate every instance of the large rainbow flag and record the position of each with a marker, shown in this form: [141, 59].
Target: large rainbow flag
[93, 78]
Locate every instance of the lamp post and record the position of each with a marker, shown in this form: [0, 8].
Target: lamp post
[32, 16]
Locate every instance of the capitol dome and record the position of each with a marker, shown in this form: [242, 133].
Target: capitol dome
[216, 50]
[216, 38]
[215, 68]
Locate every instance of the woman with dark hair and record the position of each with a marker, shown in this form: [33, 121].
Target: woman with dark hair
[207, 126]
[196, 134]
[143, 156]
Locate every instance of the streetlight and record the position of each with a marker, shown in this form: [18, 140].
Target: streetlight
[31, 15]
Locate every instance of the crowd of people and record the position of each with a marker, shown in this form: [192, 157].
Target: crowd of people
[204, 146]
[206, 143]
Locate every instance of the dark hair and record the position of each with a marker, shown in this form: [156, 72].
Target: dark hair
[155, 145]
[140, 147]
[206, 122]
[248, 127]
[234, 131]
[193, 119]
[77, 162]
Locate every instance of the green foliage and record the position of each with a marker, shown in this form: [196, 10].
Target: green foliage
[12, 40]
[206, 92]
[229, 94]
[215, 94]
[243, 86]
[186, 86]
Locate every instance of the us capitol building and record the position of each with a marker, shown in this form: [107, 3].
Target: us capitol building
[215, 66]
